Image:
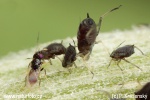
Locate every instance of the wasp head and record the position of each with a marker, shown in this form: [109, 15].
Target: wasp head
[38, 55]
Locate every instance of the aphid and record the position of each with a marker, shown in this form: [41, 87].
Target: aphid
[123, 52]
[145, 91]
[69, 57]
[33, 75]
[87, 34]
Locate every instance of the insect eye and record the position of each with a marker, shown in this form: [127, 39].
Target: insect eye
[40, 55]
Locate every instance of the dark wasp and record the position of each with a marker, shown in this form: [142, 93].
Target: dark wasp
[35, 68]
[145, 91]
[70, 56]
[87, 33]
[38, 59]
[123, 52]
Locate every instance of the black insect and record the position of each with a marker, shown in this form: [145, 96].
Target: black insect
[69, 57]
[35, 68]
[87, 33]
[145, 91]
[123, 52]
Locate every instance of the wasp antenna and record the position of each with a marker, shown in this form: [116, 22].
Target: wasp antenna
[88, 15]
[28, 58]
[37, 42]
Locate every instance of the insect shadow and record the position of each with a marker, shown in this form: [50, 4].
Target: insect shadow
[120, 53]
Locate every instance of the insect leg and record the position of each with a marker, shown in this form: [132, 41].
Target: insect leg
[87, 56]
[101, 18]
[109, 63]
[119, 65]
[140, 51]
[75, 64]
[132, 64]
[50, 61]
[88, 68]
[103, 45]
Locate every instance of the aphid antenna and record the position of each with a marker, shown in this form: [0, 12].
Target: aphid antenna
[100, 21]
[119, 45]
[140, 51]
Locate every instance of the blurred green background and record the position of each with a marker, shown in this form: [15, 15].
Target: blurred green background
[21, 20]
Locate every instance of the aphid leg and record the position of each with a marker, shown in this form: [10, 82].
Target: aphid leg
[132, 64]
[59, 59]
[96, 42]
[69, 69]
[75, 64]
[110, 63]
[87, 56]
[119, 65]
[101, 18]
[140, 51]
[88, 68]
